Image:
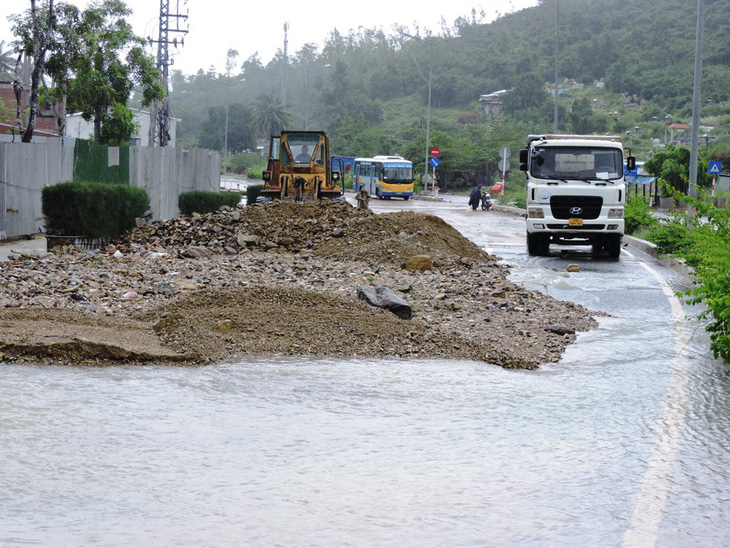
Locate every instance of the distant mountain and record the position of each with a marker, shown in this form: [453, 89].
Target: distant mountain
[640, 47]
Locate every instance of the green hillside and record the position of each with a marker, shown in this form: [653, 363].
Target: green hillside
[369, 89]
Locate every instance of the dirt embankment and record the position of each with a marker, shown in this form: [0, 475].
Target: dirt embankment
[281, 278]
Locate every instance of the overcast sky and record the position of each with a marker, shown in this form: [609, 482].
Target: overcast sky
[215, 26]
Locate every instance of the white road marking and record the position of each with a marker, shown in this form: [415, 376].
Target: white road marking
[655, 487]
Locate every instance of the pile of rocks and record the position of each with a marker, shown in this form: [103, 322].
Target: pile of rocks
[280, 278]
[289, 225]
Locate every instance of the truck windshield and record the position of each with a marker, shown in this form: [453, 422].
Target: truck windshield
[577, 163]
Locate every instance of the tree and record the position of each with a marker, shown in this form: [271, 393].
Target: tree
[582, 118]
[672, 166]
[39, 29]
[93, 58]
[269, 115]
[528, 93]
[7, 60]
[104, 78]
[240, 132]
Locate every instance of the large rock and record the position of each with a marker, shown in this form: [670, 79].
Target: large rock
[419, 262]
[384, 297]
[245, 240]
[197, 252]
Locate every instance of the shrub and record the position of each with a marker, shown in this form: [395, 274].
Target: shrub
[246, 163]
[514, 195]
[637, 215]
[710, 258]
[205, 201]
[97, 210]
[252, 192]
[673, 238]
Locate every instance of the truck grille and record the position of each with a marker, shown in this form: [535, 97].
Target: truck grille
[566, 226]
[589, 206]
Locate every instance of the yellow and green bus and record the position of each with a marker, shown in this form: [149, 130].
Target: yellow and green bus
[384, 176]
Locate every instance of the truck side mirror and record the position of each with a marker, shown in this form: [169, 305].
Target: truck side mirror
[631, 163]
[266, 176]
[523, 156]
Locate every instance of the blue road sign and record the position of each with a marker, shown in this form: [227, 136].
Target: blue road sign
[715, 168]
[434, 162]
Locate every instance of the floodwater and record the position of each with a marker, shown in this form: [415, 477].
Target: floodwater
[623, 443]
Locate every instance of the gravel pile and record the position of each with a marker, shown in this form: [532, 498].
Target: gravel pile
[279, 278]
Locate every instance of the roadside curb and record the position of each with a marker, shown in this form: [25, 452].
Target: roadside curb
[676, 265]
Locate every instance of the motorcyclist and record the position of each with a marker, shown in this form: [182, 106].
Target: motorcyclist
[475, 196]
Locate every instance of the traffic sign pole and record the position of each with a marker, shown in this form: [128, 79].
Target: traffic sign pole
[504, 153]
[434, 162]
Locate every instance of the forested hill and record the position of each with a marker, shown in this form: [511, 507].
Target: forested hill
[641, 47]
[368, 88]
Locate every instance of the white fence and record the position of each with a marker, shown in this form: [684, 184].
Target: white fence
[26, 168]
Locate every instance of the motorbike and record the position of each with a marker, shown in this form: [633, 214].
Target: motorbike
[486, 201]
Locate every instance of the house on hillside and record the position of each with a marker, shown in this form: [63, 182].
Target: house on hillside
[492, 102]
[681, 130]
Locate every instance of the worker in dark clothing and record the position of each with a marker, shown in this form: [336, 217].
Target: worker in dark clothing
[475, 196]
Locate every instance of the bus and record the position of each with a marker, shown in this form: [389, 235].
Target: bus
[384, 176]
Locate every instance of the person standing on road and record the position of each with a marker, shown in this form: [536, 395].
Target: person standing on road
[363, 198]
[475, 196]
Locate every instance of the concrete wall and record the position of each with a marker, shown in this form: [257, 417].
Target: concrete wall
[167, 172]
[25, 168]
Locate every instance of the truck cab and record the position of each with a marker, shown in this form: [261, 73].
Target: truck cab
[576, 192]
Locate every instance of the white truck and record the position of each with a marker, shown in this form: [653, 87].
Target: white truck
[576, 192]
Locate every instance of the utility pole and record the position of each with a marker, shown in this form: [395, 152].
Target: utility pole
[160, 127]
[696, 100]
[555, 112]
[429, 47]
[286, 62]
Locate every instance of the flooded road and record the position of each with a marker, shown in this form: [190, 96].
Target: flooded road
[623, 443]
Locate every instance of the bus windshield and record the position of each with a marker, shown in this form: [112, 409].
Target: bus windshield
[577, 163]
[398, 173]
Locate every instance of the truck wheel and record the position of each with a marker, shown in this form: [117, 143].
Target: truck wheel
[538, 244]
[613, 246]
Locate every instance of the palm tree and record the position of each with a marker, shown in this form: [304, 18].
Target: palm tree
[269, 116]
[7, 62]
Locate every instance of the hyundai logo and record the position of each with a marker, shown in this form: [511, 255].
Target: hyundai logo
[576, 210]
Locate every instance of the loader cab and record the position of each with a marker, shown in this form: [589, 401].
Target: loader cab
[299, 167]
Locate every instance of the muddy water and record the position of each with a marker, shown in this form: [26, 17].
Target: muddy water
[625, 442]
[326, 453]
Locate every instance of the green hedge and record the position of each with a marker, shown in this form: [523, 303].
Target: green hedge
[252, 192]
[205, 201]
[97, 210]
